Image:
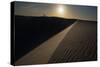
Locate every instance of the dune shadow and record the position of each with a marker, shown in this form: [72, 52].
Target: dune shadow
[30, 31]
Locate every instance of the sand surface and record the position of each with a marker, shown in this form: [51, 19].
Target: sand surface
[77, 42]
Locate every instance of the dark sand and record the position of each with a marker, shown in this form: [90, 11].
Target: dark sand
[42, 53]
[32, 31]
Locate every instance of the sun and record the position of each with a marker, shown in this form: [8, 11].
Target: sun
[60, 10]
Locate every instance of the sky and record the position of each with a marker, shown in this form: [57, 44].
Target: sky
[57, 10]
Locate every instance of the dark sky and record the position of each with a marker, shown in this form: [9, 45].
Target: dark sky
[58, 10]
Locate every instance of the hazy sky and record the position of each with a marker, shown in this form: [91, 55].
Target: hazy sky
[58, 10]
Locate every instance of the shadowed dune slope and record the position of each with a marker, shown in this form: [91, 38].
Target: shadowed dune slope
[31, 31]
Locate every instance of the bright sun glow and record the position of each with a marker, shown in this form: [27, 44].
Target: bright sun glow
[60, 10]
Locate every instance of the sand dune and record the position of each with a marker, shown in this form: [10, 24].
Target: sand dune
[43, 53]
[78, 42]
